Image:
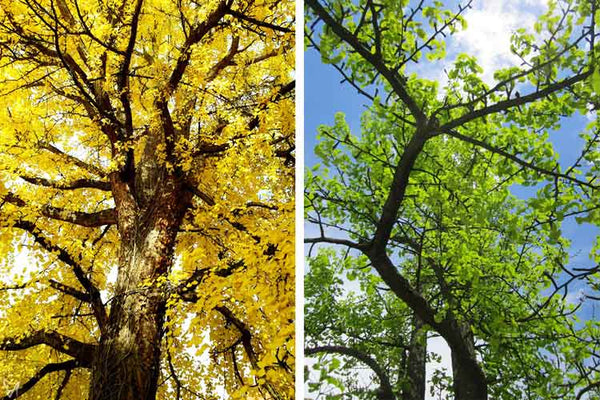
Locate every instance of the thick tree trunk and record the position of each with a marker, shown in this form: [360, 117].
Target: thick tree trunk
[469, 380]
[415, 365]
[127, 364]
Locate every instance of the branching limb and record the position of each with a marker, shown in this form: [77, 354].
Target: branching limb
[68, 290]
[225, 61]
[515, 101]
[67, 366]
[395, 80]
[384, 380]
[389, 213]
[123, 78]
[83, 352]
[63, 384]
[71, 185]
[586, 389]
[65, 257]
[254, 21]
[73, 160]
[341, 242]
[90, 220]
[247, 344]
[178, 384]
[187, 290]
[195, 36]
[209, 149]
[207, 198]
[521, 162]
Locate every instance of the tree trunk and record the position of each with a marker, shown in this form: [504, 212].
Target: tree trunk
[127, 363]
[469, 380]
[415, 365]
[126, 366]
[468, 383]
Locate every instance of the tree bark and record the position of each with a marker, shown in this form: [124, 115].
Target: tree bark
[469, 380]
[127, 363]
[415, 365]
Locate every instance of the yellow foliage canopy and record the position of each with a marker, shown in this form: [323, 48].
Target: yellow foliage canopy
[97, 97]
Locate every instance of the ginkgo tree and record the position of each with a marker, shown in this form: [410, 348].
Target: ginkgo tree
[428, 236]
[146, 223]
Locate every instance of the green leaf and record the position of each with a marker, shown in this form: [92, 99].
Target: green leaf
[596, 80]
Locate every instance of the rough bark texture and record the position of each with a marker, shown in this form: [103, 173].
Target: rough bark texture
[468, 378]
[127, 363]
[415, 364]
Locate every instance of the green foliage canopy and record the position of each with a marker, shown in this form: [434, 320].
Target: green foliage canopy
[420, 203]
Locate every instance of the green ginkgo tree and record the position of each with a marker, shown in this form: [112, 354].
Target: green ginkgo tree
[420, 233]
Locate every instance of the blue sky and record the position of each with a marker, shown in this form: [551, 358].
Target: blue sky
[324, 96]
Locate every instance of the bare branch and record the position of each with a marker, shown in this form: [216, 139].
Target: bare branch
[515, 102]
[512, 157]
[342, 242]
[226, 61]
[123, 79]
[262, 24]
[72, 159]
[61, 287]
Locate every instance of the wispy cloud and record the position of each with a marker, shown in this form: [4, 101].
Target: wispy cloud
[490, 27]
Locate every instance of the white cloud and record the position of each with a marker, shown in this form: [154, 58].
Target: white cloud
[575, 297]
[490, 26]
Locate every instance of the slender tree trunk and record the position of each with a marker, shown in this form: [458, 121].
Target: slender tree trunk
[415, 365]
[127, 363]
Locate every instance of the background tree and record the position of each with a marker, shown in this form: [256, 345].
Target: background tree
[351, 332]
[421, 197]
[146, 160]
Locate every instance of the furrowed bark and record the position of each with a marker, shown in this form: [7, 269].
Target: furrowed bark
[472, 381]
[126, 366]
[150, 204]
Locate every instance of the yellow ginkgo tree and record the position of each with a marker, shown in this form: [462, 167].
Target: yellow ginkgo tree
[146, 221]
